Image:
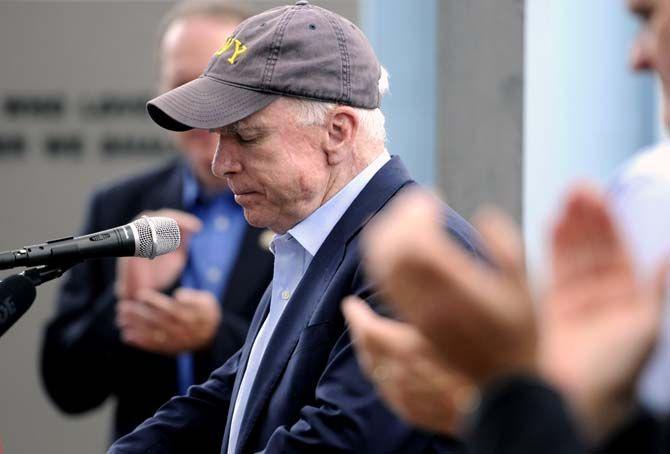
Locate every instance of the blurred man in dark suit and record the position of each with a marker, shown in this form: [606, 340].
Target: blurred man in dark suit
[143, 331]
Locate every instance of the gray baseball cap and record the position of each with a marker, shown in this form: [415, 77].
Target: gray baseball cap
[302, 51]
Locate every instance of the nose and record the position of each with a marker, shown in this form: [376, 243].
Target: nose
[227, 158]
[642, 52]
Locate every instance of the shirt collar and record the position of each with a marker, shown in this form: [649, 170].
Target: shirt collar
[312, 231]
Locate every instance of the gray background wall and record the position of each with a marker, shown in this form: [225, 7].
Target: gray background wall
[480, 90]
[71, 51]
[96, 52]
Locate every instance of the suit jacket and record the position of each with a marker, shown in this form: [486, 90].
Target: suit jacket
[83, 359]
[522, 415]
[309, 394]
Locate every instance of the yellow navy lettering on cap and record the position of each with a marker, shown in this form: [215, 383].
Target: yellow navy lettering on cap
[239, 49]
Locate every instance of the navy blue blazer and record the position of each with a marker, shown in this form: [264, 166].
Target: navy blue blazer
[84, 360]
[309, 394]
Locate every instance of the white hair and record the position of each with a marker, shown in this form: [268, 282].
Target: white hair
[371, 121]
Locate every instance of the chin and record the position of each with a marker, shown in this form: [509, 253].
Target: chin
[262, 221]
[253, 219]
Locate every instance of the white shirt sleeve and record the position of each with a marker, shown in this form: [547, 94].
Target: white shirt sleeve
[640, 197]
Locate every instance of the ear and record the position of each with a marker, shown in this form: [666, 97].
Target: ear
[341, 128]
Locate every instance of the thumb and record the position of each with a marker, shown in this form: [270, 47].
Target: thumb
[129, 277]
[186, 295]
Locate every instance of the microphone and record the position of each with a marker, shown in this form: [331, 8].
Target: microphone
[146, 237]
[17, 294]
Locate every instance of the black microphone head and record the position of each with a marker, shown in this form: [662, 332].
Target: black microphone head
[17, 294]
[155, 235]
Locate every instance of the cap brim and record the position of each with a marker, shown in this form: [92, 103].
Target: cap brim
[205, 103]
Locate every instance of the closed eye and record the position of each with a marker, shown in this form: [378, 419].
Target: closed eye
[248, 140]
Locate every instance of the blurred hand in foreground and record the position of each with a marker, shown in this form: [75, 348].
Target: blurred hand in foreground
[599, 322]
[479, 318]
[407, 371]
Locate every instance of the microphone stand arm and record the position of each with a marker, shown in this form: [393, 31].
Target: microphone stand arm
[43, 273]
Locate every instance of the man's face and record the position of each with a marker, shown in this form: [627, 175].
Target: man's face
[186, 49]
[275, 167]
[652, 46]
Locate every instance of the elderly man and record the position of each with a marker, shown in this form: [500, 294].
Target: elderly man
[293, 96]
[124, 330]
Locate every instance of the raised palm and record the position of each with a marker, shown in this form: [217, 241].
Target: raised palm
[459, 303]
[599, 321]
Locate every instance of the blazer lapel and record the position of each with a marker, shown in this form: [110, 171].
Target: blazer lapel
[390, 178]
[285, 337]
[256, 323]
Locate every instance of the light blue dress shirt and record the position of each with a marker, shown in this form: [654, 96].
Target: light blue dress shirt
[212, 251]
[293, 253]
[640, 195]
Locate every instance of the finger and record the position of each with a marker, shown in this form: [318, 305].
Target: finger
[408, 233]
[143, 339]
[135, 314]
[130, 277]
[566, 235]
[149, 330]
[356, 313]
[420, 258]
[163, 308]
[574, 234]
[198, 309]
[605, 244]
[395, 228]
[156, 300]
[379, 336]
[586, 241]
[363, 333]
[189, 296]
[502, 239]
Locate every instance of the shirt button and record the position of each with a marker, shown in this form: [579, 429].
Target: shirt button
[221, 223]
[213, 274]
[285, 295]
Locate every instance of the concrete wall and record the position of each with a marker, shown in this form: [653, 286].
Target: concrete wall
[480, 92]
